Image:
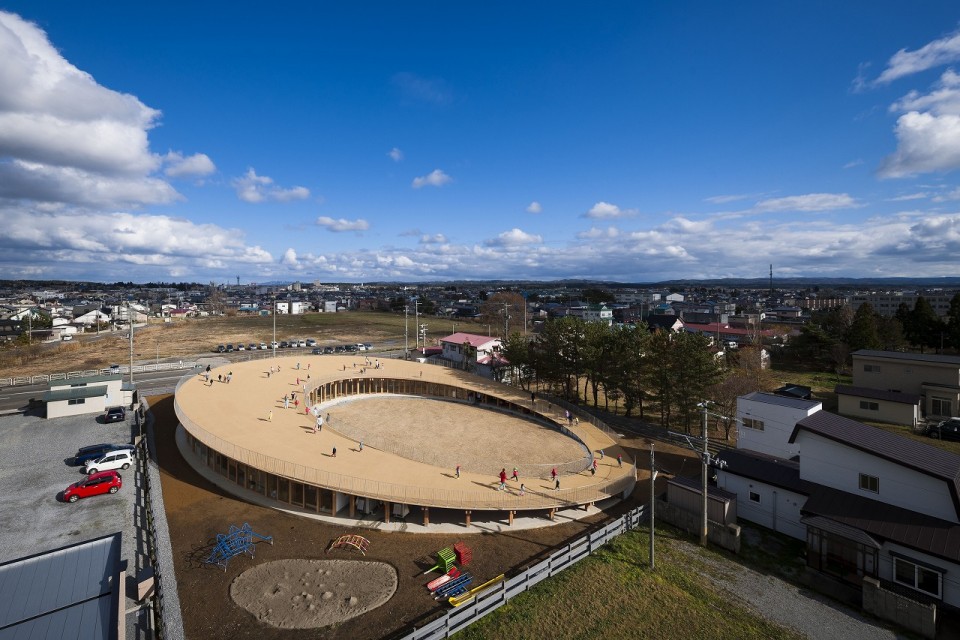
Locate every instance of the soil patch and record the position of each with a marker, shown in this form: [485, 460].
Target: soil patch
[306, 594]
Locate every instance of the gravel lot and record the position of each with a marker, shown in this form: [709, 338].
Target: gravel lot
[36, 466]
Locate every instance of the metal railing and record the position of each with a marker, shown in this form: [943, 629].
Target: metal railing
[498, 595]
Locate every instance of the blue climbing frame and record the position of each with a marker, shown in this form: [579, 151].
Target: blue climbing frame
[236, 541]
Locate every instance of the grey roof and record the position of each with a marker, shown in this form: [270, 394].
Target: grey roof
[74, 394]
[906, 452]
[782, 401]
[877, 394]
[71, 592]
[932, 358]
[885, 521]
[765, 468]
[69, 382]
[840, 529]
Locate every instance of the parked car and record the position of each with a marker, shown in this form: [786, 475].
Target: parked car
[945, 430]
[263, 346]
[119, 459]
[93, 485]
[95, 451]
[115, 414]
[328, 349]
[229, 348]
[368, 345]
[284, 344]
[220, 348]
[274, 345]
[114, 368]
[340, 349]
[311, 342]
[317, 351]
[240, 347]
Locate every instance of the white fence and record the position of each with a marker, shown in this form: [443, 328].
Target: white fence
[498, 595]
[48, 377]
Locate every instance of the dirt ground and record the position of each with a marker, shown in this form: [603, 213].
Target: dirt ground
[197, 511]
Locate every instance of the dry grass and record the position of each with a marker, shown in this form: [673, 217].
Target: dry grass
[182, 339]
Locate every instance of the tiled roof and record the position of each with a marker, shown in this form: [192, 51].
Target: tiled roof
[765, 468]
[877, 394]
[902, 526]
[921, 357]
[924, 458]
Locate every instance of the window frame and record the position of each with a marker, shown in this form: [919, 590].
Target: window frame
[872, 483]
[752, 423]
[918, 568]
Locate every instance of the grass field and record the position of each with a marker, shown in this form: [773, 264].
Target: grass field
[184, 338]
[613, 594]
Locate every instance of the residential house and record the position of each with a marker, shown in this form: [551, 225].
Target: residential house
[931, 381]
[469, 350]
[89, 394]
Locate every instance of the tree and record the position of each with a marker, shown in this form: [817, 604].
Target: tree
[953, 323]
[862, 332]
[925, 327]
[503, 309]
[516, 350]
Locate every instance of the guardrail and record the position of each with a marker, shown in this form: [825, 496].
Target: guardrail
[498, 595]
[48, 377]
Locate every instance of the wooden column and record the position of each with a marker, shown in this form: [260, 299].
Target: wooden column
[386, 512]
[552, 513]
[333, 502]
[353, 506]
[426, 516]
[510, 517]
[467, 512]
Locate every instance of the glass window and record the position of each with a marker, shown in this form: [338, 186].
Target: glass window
[750, 423]
[296, 493]
[940, 406]
[754, 497]
[927, 580]
[869, 483]
[869, 406]
[283, 490]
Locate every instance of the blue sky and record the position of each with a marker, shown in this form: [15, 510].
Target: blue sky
[388, 141]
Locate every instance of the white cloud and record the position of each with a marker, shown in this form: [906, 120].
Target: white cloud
[680, 224]
[435, 178]
[414, 88]
[933, 54]
[807, 202]
[199, 164]
[910, 196]
[534, 207]
[853, 163]
[514, 237]
[944, 99]
[724, 199]
[605, 210]
[290, 258]
[253, 188]
[594, 232]
[63, 137]
[342, 224]
[949, 196]
[395, 154]
[924, 143]
[437, 238]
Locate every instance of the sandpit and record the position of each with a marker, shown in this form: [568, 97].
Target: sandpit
[307, 594]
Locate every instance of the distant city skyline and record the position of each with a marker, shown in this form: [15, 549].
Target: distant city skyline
[631, 142]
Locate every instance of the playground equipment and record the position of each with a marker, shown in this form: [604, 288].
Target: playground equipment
[350, 541]
[454, 587]
[445, 560]
[463, 598]
[434, 584]
[237, 540]
[464, 554]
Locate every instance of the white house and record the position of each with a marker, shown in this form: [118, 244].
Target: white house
[469, 348]
[765, 422]
[599, 313]
[291, 308]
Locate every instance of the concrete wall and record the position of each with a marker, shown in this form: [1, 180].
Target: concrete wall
[914, 616]
[723, 535]
[835, 465]
[61, 408]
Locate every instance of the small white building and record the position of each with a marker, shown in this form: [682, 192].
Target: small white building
[291, 308]
[468, 348]
[78, 396]
[599, 313]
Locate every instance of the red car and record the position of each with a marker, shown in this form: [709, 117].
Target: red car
[93, 485]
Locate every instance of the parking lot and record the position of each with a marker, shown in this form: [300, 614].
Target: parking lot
[36, 457]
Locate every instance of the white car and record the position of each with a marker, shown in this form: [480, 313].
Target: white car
[121, 459]
[274, 345]
[263, 346]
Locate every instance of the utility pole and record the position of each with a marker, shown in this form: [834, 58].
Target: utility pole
[653, 497]
[406, 332]
[130, 320]
[416, 319]
[506, 320]
[273, 345]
